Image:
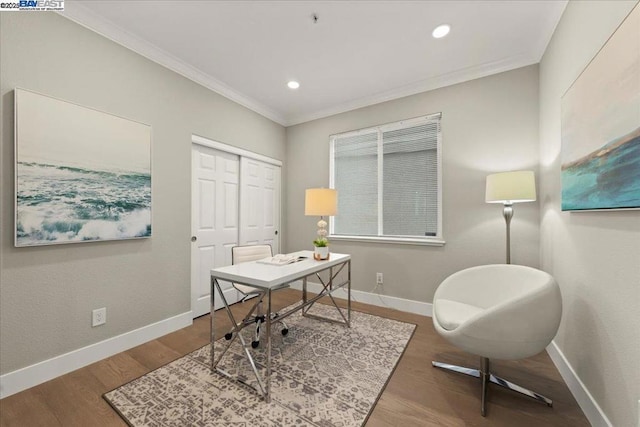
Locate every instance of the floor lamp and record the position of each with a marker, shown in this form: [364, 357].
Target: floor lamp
[509, 188]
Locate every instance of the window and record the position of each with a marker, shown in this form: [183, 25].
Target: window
[388, 182]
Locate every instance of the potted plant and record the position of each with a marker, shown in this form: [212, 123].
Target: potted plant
[321, 249]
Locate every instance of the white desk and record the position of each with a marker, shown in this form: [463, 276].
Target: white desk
[268, 278]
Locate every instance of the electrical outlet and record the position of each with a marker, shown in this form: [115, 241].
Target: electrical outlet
[99, 316]
[379, 278]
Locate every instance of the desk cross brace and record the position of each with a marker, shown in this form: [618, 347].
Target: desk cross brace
[236, 334]
[327, 289]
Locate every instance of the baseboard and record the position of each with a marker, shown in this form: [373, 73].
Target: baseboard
[409, 306]
[585, 400]
[24, 378]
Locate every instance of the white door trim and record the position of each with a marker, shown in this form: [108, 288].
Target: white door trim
[196, 139]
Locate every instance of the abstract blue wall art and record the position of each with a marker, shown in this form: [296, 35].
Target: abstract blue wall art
[601, 127]
[81, 175]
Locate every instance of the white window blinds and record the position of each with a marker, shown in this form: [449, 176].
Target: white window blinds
[356, 177]
[387, 180]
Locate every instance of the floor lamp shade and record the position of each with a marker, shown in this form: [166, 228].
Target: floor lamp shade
[509, 188]
[320, 202]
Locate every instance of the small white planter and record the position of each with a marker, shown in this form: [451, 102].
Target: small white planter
[321, 253]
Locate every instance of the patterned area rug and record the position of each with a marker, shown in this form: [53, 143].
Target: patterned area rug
[323, 374]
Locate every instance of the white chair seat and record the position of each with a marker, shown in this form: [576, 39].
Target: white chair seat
[520, 309]
[451, 314]
[247, 290]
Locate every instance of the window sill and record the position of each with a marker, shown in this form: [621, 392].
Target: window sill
[396, 240]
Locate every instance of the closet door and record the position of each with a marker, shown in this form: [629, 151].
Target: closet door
[259, 203]
[214, 210]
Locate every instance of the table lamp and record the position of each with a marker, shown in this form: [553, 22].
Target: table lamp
[321, 202]
[509, 188]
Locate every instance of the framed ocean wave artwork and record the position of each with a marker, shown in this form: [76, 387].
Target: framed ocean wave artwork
[81, 175]
[601, 127]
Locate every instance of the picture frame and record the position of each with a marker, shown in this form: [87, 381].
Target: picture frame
[600, 124]
[81, 175]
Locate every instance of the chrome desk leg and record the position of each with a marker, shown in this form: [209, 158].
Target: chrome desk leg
[492, 378]
[267, 397]
[349, 293]
[304, 289]
[212, 331]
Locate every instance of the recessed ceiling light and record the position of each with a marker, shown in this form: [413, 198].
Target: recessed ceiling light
[293, 84]
[441, 31]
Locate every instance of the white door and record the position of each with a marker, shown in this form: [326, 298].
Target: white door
[214, 222]
[259, 203]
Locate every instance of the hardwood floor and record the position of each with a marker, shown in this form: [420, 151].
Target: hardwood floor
[417, 394]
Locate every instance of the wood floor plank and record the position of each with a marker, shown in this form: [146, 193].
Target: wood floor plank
[417, 394]
[117, 370]
[154, 354]
[26, 407]
[76, 400]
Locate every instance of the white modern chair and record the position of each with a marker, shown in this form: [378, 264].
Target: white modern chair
[248, 253]
[497, 311]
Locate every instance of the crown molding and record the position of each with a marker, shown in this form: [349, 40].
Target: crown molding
[436, 82]
[88, 19]
[83, 16]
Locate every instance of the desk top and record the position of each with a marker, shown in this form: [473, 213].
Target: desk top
[265, 276]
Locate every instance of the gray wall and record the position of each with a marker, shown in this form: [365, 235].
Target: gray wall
[488, 125]
[595, 256]
[47, 293]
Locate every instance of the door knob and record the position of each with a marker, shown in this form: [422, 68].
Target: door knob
[276, 232]
[194, 238]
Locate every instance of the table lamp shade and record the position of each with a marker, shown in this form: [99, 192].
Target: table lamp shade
[511, 187]
[320, 202]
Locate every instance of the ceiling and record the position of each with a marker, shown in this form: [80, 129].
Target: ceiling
[358, 53]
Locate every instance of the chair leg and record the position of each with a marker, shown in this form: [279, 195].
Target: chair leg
[459, 369]
[248, 319]
[256, 338]
[285, 328]
[485, 375]
[515, 387]
[258, 319]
